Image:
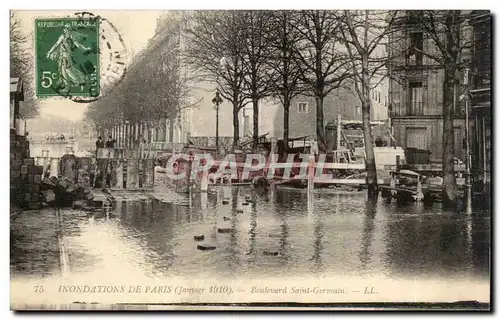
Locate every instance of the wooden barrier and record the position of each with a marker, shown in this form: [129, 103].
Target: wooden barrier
[68, 167]
[83, 166]
[125, 169]
[132, 174]
[56, 148]
[148, 173]
[54, 167]
[117, 180]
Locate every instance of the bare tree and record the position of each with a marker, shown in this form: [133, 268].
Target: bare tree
[21, 63]
[321, 57]
[257, 47]
[447, 41]
[215, 50]
[364, 34]
[154, 88]
[287, 84]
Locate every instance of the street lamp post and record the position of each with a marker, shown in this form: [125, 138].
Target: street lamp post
[217, 100]
[468, 181]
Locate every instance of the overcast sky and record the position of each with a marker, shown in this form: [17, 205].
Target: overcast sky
[136, 28]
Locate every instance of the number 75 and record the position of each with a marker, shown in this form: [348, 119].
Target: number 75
[38, 289]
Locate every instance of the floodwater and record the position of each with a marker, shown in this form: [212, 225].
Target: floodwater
[276, 235]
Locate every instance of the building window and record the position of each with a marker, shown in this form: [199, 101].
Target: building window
[302, 107]
[482, 53]
[417, 138]
[247, 132]
[415, 55]
[415, 101]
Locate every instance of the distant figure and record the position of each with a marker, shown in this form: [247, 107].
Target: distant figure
[110, 143]
[61, 137]
[314, 147]
[99, 143]
[379, 142]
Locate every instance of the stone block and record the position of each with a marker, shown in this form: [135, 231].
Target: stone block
[29, 162]
[35, 197]
[270, 253]
[224, 230]
[35, 188]
[15, 163]
[199, 238]
[35, 206]
[64, 183]
[49, 196]
[48, 182]
[205, 247]
[78, 204]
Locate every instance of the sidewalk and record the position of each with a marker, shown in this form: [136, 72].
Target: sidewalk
[34, 247]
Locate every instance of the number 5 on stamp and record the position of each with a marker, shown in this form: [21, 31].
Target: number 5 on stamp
[67, 57]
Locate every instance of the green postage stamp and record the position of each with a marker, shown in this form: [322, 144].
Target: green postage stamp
[67, 57]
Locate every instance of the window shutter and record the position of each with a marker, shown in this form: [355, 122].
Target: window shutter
[425, 94]
[427, 48]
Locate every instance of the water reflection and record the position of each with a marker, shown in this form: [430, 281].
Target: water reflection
[311, 235]
[317, 262]
[253, 229]
[365, 253]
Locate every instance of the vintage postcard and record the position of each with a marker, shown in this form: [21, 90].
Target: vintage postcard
[250, 159]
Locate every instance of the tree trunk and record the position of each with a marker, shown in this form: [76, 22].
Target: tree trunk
[320, 130]
[449, 96]
[286, 123]
[171, 129]
[255, 104]
[371, 168]
[449, 182]
[236, 126]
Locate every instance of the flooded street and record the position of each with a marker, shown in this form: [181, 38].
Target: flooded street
[278, 235]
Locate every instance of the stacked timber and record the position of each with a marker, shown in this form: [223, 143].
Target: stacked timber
[67, 167]
[132, 174]
[119, 169]
[117, 174]
[25, 175]
[83, 171]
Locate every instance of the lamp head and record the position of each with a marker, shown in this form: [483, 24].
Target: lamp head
[217, 99]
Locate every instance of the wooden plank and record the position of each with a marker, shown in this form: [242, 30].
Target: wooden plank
[117, 175]
[344, 181]
[360, 122]
[437, 167]
[399, 189]
[132, 174]
[344, 166]
[148, 173]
